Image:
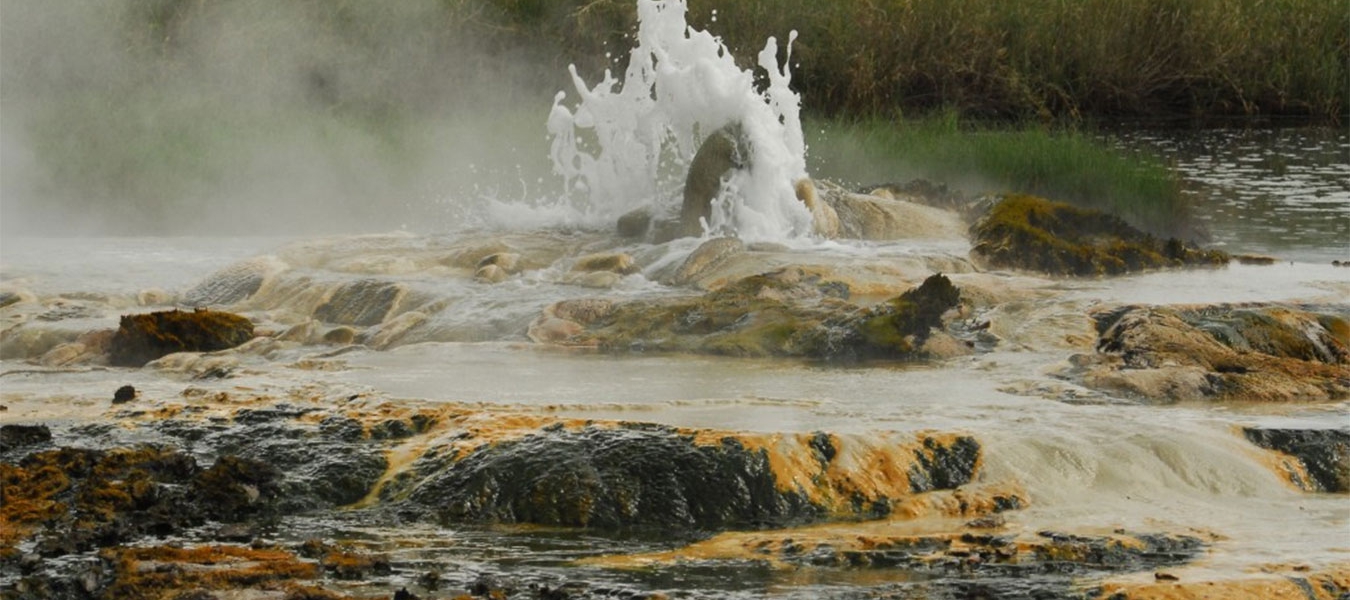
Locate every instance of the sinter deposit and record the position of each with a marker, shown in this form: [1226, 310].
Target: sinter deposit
[704, 375]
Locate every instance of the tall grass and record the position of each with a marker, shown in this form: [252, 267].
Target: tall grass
[1062, 164]
[1023, 59]
[1060, 59]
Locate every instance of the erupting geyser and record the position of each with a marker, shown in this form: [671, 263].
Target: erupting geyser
[627, 144]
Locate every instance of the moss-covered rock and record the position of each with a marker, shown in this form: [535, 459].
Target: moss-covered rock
[893, 329]
[1035, 234]
[145, 337]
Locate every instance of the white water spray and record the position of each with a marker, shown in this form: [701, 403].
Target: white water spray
[627, 144]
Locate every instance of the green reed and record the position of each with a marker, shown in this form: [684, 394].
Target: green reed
[1029, 59]
[1058, 163]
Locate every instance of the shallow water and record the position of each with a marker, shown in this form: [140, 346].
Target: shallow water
[1280, 191]
[1089, 462]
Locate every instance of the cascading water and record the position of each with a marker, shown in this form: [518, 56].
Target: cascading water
[627, 144]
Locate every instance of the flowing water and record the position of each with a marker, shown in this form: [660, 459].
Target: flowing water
[1088, 461]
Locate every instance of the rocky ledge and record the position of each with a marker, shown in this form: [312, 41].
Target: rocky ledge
[1266, 353]
[788, 312]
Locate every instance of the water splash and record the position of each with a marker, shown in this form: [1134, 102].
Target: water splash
[627, 144]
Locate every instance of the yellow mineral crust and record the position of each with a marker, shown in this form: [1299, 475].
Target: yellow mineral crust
[1297, 583]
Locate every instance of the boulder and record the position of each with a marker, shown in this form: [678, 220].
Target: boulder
[721, 152]
[1035, 234]
[145, 337]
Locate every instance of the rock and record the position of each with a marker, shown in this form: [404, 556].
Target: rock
[1323, 453]
[235, 489]
[145, 337]
[612, 262]
[705, 258]
[644, 476]
[361, 303]
[22, 436]
[867, 217]
[340, 336]
[234, 283]
[124, 394]
[1254, 259]
[635, 223]
[824, 219]
[508, 262]
[1266, 353]
[490, 274]
[721, 152]
[155, 297]
[788, 312]
[896, 328]
[1035, 234]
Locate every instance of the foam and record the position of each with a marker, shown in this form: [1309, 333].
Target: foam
[627, 143]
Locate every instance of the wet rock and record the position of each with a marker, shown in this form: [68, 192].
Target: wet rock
[322, 466]
[703, 259]
[237, 488]
[94, 498]
[8, 298]
[867, 217]
[124, 394]
[723, 151]
[490, 274]
[146, 337]
[644, 476]
[1254, 259]
[22, 436]
[1218, 352]
[893, 329]
[352, 565]
[636, 223]
[361, 303]
[789, 312]
[612, 262]
[234, 283]
[1035, 234]
[341, 336]
[1323, 453]
[612, 479]
[824, 219]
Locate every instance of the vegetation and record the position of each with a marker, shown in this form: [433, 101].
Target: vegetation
[1026, 232]
[136, 115]
[1065, 164]
[1033, 59]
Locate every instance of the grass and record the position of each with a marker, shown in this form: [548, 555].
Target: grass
[1040, 59]
[1060, 163]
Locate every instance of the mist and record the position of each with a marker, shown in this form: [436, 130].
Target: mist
[239, 117]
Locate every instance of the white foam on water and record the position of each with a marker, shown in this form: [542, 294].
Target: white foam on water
[628, 143]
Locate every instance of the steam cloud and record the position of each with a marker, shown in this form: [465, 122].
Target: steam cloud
[259, 116]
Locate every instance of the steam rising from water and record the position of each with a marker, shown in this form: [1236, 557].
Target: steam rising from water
[628, 143]
[258, 116]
